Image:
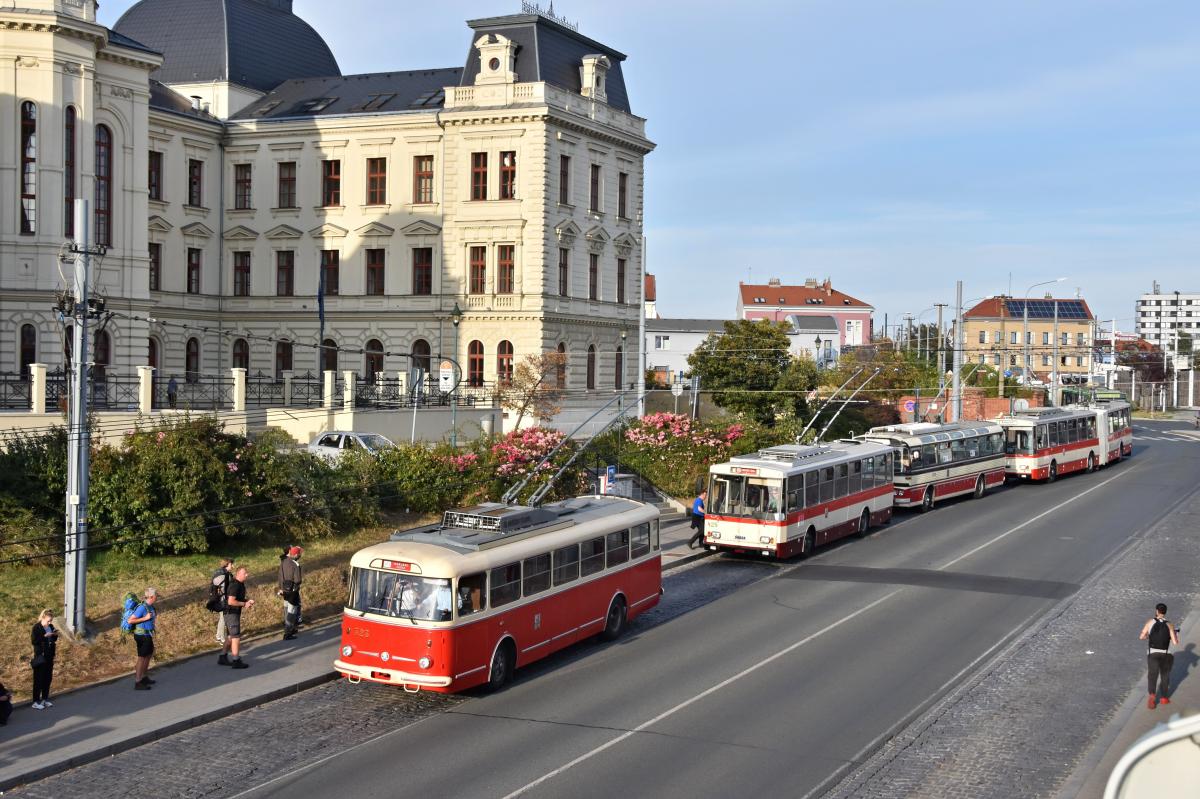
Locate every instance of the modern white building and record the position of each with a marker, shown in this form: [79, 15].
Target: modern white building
[241, 183]
[1162, 317]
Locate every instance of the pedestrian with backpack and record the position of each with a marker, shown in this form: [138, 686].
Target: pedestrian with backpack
[236, 602]
[141, 623]
[44, 638]
[218, 593]
[290, 577]
[1159, 634]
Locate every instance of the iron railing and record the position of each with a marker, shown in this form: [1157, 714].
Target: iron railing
[14, 392]
[114, 392]
[263, 390]
[195, 392]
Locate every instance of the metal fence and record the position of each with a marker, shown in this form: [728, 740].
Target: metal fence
[14, 392]
[113, 392]
[307, 390]
[263, 390]
[195, 392]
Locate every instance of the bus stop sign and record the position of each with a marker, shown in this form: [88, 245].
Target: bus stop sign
[446, 376]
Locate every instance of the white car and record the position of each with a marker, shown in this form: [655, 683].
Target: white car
[332, 444]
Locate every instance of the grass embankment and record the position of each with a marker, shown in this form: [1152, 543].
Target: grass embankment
[184, 625]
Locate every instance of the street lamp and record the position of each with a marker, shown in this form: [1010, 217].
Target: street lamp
[456, 316]
[621, 381]
[817, 350]
[1025, 324]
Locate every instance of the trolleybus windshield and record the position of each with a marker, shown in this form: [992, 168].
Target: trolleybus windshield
[1020, 441]
[403, 596]
[749, 497]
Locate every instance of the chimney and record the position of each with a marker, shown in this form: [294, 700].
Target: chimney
[1049, 295]
[195, 102]
[828, 288]
[773, 281]
[810, 283]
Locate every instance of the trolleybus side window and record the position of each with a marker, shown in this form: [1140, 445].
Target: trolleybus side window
[795, 492]
[959, 450]
[566, 564]
[537, 574]
[617, 551]
[943, 452]
[654, 535]
[591, 556]
[639, 543]
[868, 477]
[855, 477]
[843, 479]
[1090, 422]
[506, 584]
[472, 594]
[827, 484]
[1043, 436]
[812, 488]
[1053, 438]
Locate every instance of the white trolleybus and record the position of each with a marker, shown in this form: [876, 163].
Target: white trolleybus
[939, 461]
[791, 499]
[493, 587]
[1044, 443]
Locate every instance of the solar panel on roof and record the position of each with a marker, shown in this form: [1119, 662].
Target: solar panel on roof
[1044, 309]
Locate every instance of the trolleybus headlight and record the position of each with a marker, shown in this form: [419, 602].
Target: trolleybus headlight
[716, 535]
[763, 539]
[346, 651]
[385, 656]
[425, 662]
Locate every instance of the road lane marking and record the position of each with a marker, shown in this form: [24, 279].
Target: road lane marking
[791, 648]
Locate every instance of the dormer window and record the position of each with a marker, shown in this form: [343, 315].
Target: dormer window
[497, 59]
[593, 74]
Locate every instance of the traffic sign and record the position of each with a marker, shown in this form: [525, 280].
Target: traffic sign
[677, 389]
[1008, 372]
[909, 406]
[446, 376]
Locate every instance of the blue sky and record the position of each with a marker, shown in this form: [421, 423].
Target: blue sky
[894, 147]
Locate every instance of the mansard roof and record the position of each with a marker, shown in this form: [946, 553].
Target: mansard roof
[253, 43]
[374, 92]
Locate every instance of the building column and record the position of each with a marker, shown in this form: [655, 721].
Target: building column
[145, 389]
[287, 387]
[348, 390]
[329, 380]
[37, 387]
[239, 389]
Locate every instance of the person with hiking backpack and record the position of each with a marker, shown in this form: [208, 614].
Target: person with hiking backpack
[140, 621]
[290, 578]
[218, 594]
[1159, 634]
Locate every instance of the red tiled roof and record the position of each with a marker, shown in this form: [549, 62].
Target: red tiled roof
[994, 308]
[651, 291]
[797, 296]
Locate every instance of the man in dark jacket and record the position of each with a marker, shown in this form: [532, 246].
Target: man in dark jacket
[5, 705]
[290, 578]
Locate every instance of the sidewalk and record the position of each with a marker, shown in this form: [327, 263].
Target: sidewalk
[1134, 719]
[102, 720]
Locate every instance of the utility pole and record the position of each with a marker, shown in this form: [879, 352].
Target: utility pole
[958, 352]
[1112, 351]
[1175, 356]
[78, 435]
[1054, 373]
[941, 354]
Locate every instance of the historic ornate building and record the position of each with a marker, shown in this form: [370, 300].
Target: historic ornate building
[239, 182]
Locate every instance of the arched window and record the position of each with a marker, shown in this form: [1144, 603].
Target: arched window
[561, 371]
[69, 171]
[28, 348]
[241, 354]
[152, 353]
[374, 359]
[283, 358]
[619, 369]
[591, 367]
[102, 227]
[329, 355]
[28, 168]
[191, 365]
[475, 363]
[421, 354]
[504, 363]
[101, 355]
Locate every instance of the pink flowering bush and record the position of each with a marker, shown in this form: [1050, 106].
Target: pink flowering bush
[673, 451]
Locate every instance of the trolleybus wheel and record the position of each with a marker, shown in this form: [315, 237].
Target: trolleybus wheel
[927, 500]
[810, 542]
[502, 665]
[1052, 475]
[1091, 467]
[864, 523]
[980, 487]
[615, 624]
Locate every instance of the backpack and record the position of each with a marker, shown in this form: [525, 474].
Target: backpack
[1160, 634]
[218, 593]
[129, 604]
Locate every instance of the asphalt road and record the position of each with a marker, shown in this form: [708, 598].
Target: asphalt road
[788, 683]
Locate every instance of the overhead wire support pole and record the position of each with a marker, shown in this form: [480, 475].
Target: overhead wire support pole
[78, 435]
[825, 404]
[847, 402]
[957, 353]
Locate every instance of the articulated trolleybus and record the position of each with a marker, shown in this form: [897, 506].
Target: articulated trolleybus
[1043, 443]
[939, 461]
[790, 499]
[492, 587]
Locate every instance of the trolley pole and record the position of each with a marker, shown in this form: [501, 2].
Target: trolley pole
[78, 437]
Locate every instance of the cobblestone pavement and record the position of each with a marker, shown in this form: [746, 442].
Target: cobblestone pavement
[224, 757]
[1021, 725]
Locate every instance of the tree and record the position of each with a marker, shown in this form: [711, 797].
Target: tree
[743, 366]
[794, 385]
[537, 387]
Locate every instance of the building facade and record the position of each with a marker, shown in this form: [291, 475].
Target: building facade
[777, 302]
[994, 333]
[261, 210]
[1165, 317]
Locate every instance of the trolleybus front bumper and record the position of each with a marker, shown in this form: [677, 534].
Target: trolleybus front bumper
[356, 673]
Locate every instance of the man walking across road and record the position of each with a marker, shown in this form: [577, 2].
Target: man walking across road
[1159, 635]
[233, 621]
[698, 520]
[221, 578]
[290, 577]
[142, 621]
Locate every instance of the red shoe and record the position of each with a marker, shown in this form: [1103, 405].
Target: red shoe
[1164, 701]
[1150, 703]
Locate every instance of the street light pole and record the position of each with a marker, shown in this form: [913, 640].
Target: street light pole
[456, 316]
[1025, 326]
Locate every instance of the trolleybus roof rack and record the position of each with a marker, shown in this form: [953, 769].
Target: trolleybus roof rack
[487, 524]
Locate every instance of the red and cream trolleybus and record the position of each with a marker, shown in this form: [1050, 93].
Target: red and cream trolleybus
[1114, 428]
[939, 461]
[791, 499]
[1044, 443]
[493, 587]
